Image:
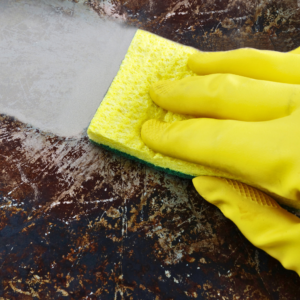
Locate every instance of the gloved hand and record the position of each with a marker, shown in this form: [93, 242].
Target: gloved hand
[246, 105]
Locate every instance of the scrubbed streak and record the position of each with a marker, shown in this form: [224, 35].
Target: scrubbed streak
[127, 104]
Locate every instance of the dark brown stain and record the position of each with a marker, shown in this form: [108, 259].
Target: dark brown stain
[213, 25]
[78, 222]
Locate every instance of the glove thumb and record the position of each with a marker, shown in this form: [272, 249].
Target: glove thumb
[260, 219]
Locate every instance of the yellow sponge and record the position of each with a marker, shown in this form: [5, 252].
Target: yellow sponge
[127, 104]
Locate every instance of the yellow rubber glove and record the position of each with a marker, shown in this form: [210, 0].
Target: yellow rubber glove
[295, 51]
[260, 219]
[247, 126]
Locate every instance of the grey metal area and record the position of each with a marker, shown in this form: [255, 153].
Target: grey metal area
[57, 61]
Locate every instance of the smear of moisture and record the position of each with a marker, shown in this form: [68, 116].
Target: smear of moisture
[58, 59]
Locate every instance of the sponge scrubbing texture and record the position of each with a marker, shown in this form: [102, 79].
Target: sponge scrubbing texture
[127, 104]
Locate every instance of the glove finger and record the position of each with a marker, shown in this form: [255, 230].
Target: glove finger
[260, 219]
[235, 148]
[257, 64]
[226, 96]
[295, 51]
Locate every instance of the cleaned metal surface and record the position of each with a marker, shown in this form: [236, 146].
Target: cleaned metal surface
[58, 60]
[77, 222]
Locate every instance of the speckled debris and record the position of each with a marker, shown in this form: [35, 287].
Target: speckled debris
[215, 24]
[77, 222]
